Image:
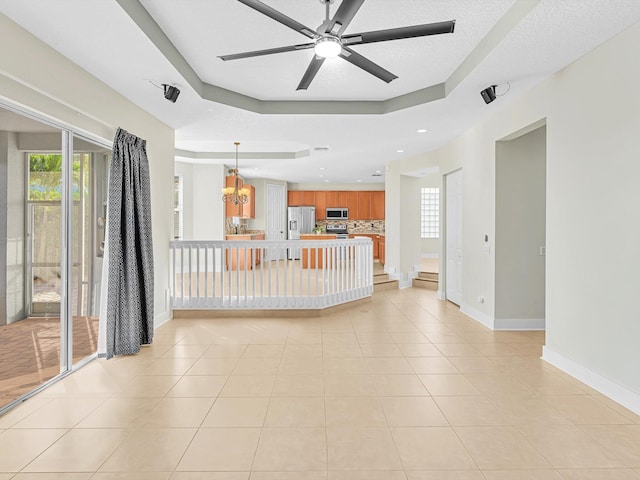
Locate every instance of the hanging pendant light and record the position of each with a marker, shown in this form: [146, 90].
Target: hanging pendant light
[235, 194]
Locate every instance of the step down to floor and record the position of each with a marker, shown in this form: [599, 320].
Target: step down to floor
[426, 280]
[382, 282]
[428, 276]
[385, 285]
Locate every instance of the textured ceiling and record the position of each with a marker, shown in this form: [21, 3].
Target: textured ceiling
[205, 30]
[488, 47]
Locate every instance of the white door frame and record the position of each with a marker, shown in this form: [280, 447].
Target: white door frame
[276, 202]
[452, 272]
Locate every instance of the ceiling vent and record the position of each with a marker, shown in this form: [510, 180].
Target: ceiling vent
[376, 174]
[321, 149]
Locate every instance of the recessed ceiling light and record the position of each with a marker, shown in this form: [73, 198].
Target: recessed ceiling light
[321, 176]
[378, 171]
[422, 130]
[400, 151]
[326, 180]
[358, 180]
[321, 168]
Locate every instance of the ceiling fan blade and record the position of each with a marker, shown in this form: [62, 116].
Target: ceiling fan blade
[343, 16]
[399, 33]
[367, 65]
[309, 75]
[268, 51]
[279, 17]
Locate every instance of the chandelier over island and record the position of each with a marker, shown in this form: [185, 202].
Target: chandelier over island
[236, 194]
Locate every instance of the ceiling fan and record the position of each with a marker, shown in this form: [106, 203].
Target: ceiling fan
[329, 40]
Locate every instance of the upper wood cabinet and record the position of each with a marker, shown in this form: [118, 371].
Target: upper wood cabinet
[364, 206]
[352, 205]
[377, 205]
[331, 199]
[308, 198]
[249, 208]
[294, 198]
[321, 205]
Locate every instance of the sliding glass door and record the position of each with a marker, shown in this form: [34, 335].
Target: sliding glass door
[52, 212]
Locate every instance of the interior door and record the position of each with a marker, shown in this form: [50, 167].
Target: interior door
[453, 232]
[276, 226]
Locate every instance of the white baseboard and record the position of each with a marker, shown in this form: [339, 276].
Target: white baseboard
[430, 255]
[161, 319]
[519, 324]
[614, 391]
[441, 295]
[478, 316]
[405, 283]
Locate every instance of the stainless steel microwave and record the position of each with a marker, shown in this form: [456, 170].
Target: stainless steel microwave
[337, 214]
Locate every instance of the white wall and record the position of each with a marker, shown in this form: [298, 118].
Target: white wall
[520, 231]
[592, 111]
[203, 209]
[73, 97]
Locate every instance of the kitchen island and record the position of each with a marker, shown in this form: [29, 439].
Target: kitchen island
[243, 258]
[314, 256]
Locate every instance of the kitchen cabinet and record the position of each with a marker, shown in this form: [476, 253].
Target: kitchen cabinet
[314, 257]
[243, 258]
[381, 248]
[321, 205]
[249, 208]
[308, 198]
[364, 206]
[294, 198]
[297, 198]
[377, 205]
[332, 199]
[375, 239]
[352, 205]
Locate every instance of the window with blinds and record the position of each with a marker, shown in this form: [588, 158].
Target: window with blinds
[430, 212]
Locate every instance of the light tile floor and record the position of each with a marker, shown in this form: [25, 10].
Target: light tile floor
[403, 388]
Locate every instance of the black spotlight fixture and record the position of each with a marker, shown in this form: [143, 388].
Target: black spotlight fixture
[489, 94]
[170, 92]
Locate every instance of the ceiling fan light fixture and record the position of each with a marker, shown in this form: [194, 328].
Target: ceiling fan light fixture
[328, 47]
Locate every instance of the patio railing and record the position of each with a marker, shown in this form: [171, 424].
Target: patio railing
[259, 274]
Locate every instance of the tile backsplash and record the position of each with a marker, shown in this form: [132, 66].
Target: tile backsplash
[353, 226]
[230, 228]
[356, 226]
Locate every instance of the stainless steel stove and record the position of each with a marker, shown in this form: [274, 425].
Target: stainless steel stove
[339, 229]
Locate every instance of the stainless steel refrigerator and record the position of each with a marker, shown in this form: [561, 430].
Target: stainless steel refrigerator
[300, 220]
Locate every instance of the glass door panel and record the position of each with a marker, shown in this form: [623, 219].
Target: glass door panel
[90, 163]
[30, 254]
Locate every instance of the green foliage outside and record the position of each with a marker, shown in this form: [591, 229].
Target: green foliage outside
[45, 176]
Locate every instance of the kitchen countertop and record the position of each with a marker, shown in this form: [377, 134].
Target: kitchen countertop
[313, 236]
[243, 236]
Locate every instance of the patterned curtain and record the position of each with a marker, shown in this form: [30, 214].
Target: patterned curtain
[129, 309]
